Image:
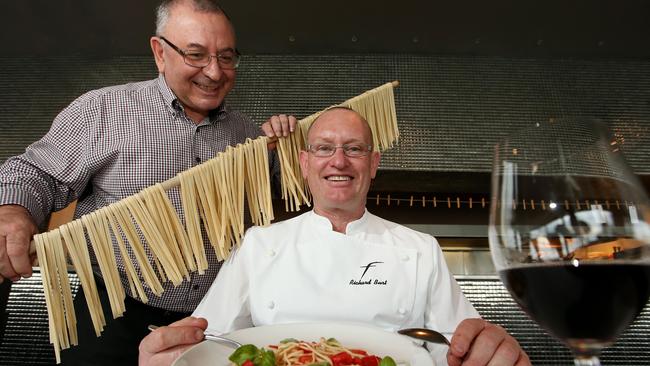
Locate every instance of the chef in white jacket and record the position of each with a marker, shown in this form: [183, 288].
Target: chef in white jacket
[339, 263]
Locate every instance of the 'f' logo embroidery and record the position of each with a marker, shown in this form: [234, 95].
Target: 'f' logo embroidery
[367, 267]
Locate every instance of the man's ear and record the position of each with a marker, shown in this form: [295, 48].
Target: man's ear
[375, 157]
[157, 49]
[304, 164]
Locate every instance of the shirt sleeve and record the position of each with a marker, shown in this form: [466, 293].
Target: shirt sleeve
[53, 171]
[446, 306]
[226, 306]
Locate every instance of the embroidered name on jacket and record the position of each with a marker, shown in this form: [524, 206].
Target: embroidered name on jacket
[369, 281]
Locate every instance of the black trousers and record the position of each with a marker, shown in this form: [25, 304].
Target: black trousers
[118, 343]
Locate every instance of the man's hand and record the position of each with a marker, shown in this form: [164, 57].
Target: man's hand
[279, 126]
[477, 342]
[16, 230]
[165, 344]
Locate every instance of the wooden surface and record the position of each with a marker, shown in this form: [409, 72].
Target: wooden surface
[61, 217]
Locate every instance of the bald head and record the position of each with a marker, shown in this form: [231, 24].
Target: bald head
[341, 113]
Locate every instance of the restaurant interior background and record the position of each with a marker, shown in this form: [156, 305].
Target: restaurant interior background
[469, 72]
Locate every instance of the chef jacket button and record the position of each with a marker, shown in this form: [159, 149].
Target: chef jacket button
[270, 305]
[405, 257]
[401, 311]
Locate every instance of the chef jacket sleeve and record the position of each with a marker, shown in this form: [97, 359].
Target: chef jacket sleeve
[447, 306]
[226, 305]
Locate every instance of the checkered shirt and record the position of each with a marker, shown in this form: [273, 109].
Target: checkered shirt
[113, 142]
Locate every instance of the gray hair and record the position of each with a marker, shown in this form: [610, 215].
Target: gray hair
[164, 9]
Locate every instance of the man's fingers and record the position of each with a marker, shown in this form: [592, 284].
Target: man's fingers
[16, 230]
[6, 269]
[191, 321]
[523, 359]
[165, 338]
[478, 342]
[485, 346]
[18, 252]
[464, 335]
[506, 354]
[279, 126]
[165, 358]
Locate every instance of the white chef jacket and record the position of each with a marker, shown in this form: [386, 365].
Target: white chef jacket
[378, 273]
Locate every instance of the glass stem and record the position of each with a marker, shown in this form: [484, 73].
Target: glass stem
[586, 361]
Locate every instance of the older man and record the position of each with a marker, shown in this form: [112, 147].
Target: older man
[113, 142]
[339, 263]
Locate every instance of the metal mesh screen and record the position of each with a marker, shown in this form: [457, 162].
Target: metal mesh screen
[26, 339]
[451, 110]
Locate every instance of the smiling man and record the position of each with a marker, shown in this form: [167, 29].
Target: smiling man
[198, 67]
[339, 263]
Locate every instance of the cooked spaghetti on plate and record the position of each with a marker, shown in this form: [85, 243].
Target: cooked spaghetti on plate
[291, 352]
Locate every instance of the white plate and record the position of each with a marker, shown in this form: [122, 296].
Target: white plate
[374, 340]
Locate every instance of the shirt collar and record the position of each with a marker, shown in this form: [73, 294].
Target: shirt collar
[174, 106]
[354, 227]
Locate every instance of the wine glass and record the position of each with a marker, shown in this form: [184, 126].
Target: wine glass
[569, 232]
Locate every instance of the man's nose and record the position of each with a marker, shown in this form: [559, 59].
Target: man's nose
[339, 159]
[213, 70]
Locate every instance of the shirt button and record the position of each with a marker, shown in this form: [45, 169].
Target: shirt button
[195, 287]
[405, 257]
[271, 253]
[401, 311]
[270, 305]
[197, 159]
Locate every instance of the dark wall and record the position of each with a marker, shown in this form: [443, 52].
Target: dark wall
[535, 28]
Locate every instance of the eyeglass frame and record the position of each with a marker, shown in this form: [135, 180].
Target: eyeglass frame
[184, 53]
[364, 152]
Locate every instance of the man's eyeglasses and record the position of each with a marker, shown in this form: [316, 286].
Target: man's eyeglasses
[354, 150]
[228, 59]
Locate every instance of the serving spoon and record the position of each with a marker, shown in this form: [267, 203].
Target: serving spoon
[425, 334]
[211, 337]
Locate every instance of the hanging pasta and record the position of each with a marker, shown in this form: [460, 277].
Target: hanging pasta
[75, 243]
[295, 191]
[103, 250]
[125, 222]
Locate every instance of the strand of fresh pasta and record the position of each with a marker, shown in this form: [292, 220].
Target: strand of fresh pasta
[121, 215]
[250, 184]
[152, 235]
[64, 285]
[154, 202]
[132, 276]
[81, 246]
[109, 271]
[50, 298]
[178, 232]
[192, 220]
[79, 255]
[212, 196]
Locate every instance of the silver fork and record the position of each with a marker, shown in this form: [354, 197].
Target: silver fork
[210, 337]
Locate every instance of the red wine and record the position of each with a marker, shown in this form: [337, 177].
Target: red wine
[587, 306]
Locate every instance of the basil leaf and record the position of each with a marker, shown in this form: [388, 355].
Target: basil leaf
[244, 353]
[387, 361]
[264, 358]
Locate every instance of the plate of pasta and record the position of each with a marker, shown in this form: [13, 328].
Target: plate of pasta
[362, 344]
